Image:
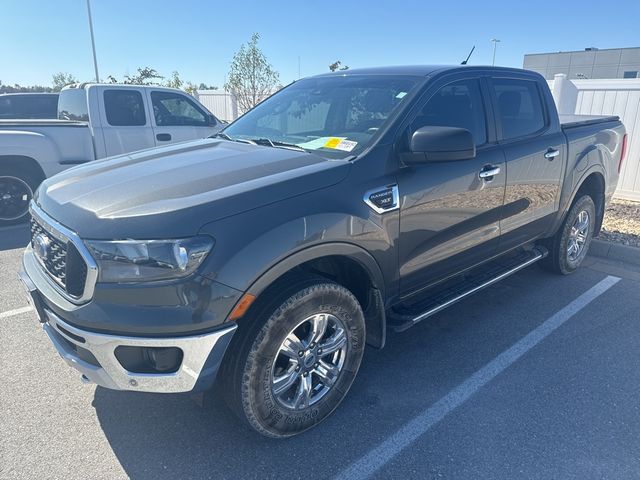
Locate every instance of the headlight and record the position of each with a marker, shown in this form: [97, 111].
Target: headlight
[148, 260]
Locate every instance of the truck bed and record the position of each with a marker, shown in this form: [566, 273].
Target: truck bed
[573, 121]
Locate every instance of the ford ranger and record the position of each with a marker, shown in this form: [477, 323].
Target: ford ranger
[261, 261]
[94, 121]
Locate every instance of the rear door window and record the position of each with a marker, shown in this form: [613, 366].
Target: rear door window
[124, 108]
[520, 108]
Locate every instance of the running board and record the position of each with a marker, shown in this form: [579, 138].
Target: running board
[405, 317]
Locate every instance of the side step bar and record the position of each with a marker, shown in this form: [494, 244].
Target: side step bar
[407, 316]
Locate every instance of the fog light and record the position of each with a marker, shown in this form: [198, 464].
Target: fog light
[166, 359]
[149, 359]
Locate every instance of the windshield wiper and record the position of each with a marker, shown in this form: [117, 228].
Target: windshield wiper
[227, 137]
[221, 135]
[276, 144]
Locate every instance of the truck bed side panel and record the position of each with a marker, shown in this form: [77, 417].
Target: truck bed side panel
[54, 144]
[592, 148]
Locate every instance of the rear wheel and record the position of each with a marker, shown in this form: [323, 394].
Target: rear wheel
[16, 191]
[298, 362]
[570, 244]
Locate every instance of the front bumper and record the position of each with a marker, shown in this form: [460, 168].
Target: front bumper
[93, 354]
[202, 357]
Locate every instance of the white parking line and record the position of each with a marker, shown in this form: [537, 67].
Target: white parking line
[377, 458]
[17, 311]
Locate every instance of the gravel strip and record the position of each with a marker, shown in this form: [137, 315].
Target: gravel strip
[622, 223]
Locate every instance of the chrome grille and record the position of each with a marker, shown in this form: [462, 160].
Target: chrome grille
[55, 262]
[61, 259]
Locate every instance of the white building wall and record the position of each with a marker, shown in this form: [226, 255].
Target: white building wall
[619, 97]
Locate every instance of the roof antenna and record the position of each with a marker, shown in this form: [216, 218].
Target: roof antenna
[464, 62]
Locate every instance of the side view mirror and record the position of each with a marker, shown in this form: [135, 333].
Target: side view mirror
[441, 144]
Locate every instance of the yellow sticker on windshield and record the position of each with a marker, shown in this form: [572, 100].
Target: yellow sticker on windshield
[340, 144]
[333, 142]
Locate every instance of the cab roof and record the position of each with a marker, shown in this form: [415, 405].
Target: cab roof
[415, 70]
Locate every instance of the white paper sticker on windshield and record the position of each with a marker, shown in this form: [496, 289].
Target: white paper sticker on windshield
[346, 145]
[401, 95]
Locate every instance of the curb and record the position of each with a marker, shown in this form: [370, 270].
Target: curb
[615, 251]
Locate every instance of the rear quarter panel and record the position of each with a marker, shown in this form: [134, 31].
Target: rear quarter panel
[591, 149]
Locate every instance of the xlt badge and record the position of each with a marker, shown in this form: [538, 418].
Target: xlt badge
[382, 200]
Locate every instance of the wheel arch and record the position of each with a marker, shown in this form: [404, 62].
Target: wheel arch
[27, 163]
[592, 182]
[346, 264]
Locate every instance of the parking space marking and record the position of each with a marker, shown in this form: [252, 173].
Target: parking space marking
[377, 458]
[17, 311]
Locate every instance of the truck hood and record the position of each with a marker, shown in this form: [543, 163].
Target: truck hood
[173, 191]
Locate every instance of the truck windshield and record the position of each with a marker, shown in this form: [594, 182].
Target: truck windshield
[335, 116]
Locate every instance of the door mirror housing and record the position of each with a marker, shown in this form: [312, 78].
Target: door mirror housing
[441, 144]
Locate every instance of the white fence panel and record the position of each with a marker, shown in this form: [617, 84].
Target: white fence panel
[222, 104]
[619, 97]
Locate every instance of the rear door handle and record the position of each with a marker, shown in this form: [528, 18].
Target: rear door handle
[551, 153]
[487, 173]
[163, 137]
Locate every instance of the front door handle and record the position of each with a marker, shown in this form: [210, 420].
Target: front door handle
[487, 173]
[551, 153]
[163, 137]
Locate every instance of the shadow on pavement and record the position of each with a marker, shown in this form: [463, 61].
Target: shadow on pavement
[169, 436]
[15, 236]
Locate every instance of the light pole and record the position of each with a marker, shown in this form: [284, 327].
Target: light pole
[93, 42]
[495, 44]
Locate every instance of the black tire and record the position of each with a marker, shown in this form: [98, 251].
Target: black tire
[559, 259]
[255, 356]
[16, 191]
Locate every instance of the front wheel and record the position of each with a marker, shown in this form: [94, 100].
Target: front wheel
[569, 246]
[295, 369]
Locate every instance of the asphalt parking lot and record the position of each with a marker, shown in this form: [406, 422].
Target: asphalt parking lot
[536, 377]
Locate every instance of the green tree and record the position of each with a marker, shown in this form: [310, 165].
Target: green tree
[337, 65]
[144, 76]
[62, 79]
[251, 77]
[174, 81]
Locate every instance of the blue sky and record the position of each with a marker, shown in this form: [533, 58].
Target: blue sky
[198, 38]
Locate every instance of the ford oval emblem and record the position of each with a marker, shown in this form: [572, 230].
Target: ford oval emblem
[42, 246]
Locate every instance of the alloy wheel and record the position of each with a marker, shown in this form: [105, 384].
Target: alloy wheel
[309, 361]
[578, 235]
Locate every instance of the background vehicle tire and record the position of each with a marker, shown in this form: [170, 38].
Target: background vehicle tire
[570, 244]
[16, 191]
[297, 360]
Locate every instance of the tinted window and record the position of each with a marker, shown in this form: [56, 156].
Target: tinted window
[335, 116]
[519, 107]
[124, 108]
[458, 104]
[173, 109]
[72, 105]
[29, 105]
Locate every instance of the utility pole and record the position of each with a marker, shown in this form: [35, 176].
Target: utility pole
[495, 44]
[93, 42]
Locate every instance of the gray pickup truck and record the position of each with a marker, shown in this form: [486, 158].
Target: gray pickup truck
[260, 262]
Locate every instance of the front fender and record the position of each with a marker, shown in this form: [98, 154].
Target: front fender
[256, 247]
